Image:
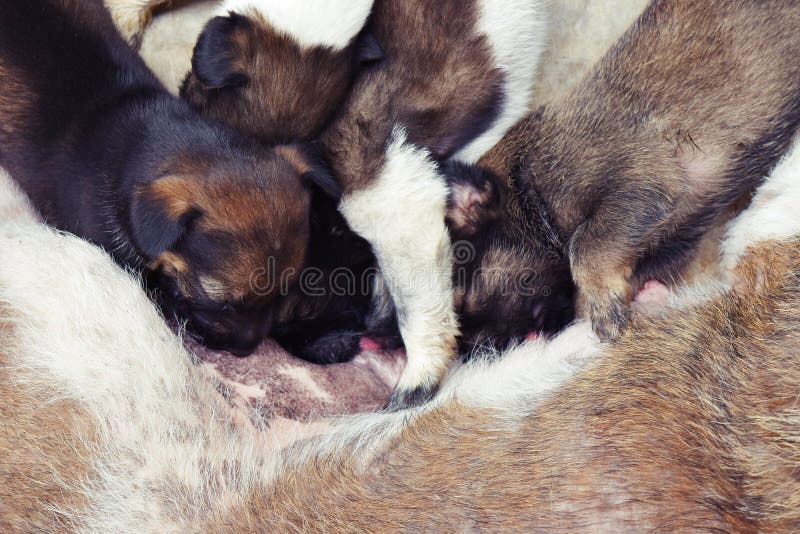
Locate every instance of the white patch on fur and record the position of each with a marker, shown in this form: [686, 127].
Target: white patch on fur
[402, 215]
[523, 375]
[517, 33]
[14, 205]
[327, 23]
[84, 330]
[773, 215]
[302, 377]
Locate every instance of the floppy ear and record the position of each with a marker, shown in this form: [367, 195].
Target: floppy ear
[159, 214]
[312, 170]
[368, 49]
[473, 201]
[213, 61]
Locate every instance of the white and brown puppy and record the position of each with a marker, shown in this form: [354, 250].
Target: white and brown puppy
[112, 428]
[456, 76]
[403, 115]
[617, 182]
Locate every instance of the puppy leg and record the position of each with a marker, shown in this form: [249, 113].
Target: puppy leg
[132, 16]
[603, 252]
[402, 215]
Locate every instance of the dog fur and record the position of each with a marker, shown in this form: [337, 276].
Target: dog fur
[403, 114]
[279, 70]
[554, 436]
[475, 82]
[616, 183]
[103, 151]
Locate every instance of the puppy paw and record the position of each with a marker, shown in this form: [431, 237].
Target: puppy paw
[424, 371]
[609, 316]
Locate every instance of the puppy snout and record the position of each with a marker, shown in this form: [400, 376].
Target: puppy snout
[246, 340]
[236, 334]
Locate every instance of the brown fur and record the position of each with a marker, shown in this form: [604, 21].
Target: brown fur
[46, 454]
[622, 178]
[287, 92]
[105, 152]
[703, 440]
[443, 101]
[265, 245]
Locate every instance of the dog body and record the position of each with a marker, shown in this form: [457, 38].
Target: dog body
[106, 153]
[617, 182]
[559, 436]
[404, 114]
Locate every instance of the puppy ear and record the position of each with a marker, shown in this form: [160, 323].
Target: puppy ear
[159, 214]
[213, 61]
[474, 199]
[368, 49]
[312, 170]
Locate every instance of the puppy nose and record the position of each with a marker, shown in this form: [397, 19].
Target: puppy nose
[247, 339]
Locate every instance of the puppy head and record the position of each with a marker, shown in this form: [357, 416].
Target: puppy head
[511, 279]
[262, 80]
[223, 239]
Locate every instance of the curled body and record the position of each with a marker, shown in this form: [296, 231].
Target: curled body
[103, 151]
[616, 183]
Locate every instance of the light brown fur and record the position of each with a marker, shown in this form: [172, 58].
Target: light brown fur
[685, 115]
[45, 453]
[703, 440]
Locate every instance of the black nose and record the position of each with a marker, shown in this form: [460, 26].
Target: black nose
[245, 339]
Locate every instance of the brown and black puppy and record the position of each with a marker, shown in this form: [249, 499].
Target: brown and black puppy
[105, 152]
[278, 70]
[616, 183]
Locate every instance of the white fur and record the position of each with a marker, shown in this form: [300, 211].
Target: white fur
[525, 374]
[402, 216]
[517, 33]
[85, 331]
[773, 215]
[14, 205]
[327, 23]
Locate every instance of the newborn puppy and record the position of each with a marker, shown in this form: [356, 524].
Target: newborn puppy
[106, 153]
[278, 69]
[457, 75]
[616, 184]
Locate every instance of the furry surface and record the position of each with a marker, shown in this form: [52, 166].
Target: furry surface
[272, 381]
[156, 444]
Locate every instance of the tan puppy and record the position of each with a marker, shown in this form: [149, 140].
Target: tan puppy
[616, 183]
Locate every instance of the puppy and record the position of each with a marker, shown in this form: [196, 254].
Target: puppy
[403, 115]
[278, 72]
[276, 69]
[456, 76]
[616, 183]
[106, 153]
